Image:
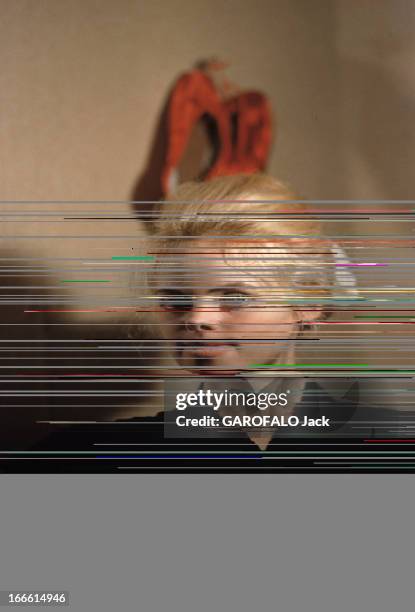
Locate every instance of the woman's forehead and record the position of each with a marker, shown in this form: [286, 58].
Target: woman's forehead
[262, 262]
[207, 256]
[201, 265]
[213, 269]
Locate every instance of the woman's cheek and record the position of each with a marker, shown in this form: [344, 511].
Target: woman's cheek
[169, 323]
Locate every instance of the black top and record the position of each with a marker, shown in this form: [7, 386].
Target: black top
[139, 444]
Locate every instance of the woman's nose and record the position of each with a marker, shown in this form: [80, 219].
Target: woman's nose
[207, 317]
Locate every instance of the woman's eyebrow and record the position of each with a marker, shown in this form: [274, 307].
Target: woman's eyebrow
[171, 290]
[234, 287]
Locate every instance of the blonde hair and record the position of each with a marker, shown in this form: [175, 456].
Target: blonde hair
[227, 195]
[253, 209]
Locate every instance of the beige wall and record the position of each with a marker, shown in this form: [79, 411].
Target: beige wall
[83, 81]
[375, 55]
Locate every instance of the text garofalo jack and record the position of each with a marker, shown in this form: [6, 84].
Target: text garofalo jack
[220, 401]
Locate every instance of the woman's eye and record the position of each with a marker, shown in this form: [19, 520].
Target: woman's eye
[175, 303]
[234, 300]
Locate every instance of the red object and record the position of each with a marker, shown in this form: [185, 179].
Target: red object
[252, 114]
[244, 126]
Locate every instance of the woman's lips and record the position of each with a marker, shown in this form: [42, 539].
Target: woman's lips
[206, 347]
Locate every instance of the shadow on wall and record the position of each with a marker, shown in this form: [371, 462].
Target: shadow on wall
[148, 184]
[378, 139]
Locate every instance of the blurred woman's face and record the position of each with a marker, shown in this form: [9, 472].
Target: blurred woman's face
[219, 312]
